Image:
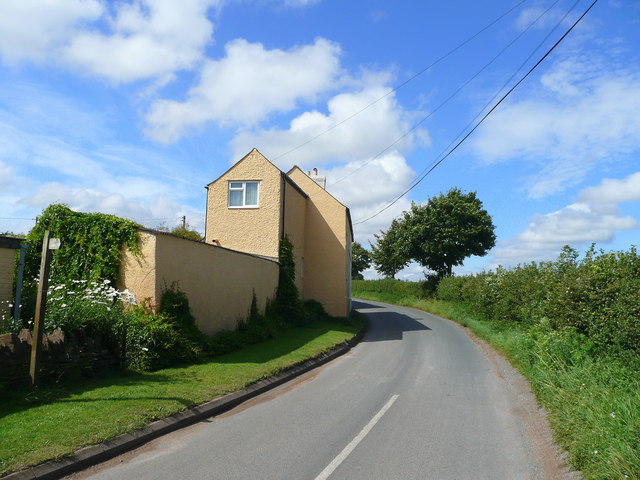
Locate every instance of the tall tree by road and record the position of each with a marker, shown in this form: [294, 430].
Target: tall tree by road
[445, 230]
[360, 260]
[386, 255]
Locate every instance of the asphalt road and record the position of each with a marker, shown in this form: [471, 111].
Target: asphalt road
[416, 399]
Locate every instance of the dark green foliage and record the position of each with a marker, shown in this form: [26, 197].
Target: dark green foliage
[391, 290]
[445, 230]
[182, 230]
[287, 302]
[187, 233]
[386, 254]
[155, 341]
[175, 305]
[360, 260]
[91, 244]
[596, 296]
[314, 311]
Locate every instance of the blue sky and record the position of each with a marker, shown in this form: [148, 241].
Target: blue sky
[132, 107]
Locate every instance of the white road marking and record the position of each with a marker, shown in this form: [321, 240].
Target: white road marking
[354, 443]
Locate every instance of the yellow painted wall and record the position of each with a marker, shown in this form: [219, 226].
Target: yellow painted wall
[138, 272]
[327, 238]
[251, 230]
[219, 283]
[7, 264]
[294, 227]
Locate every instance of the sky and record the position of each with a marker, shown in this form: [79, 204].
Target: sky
[132, 107]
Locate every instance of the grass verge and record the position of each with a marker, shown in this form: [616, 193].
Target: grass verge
[593, 397]
[56, 420]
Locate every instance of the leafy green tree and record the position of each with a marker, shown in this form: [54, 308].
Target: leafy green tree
[360, 260]
[445, 230]
[386, 254]
[182, 230]
[187, 232]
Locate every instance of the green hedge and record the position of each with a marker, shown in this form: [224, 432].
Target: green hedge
[597, 295]
[390, 289]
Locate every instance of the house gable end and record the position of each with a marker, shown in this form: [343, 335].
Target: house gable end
[253, 155]
[252, 227]
[311, 184]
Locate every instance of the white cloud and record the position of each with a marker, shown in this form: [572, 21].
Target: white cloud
[368, 188]
[363, 232]
[150, 210]
[129, 41]
[360, 183]
[32, 29]
[529, 15]
[37, 170]
[247, 85]
[596, 217]
[148, 39]
[361, 137]
[299, 3]
[613, 191]
[6, 175]
[580, 116]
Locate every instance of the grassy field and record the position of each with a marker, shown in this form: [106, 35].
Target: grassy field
[59, 419]
[593, 399]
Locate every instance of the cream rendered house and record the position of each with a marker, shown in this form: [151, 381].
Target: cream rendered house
[254, 204]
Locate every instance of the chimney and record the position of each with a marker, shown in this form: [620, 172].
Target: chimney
[322, 181]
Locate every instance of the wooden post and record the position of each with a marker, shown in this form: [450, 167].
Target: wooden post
[41, 304]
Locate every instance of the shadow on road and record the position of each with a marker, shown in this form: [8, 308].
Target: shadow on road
[386, 325]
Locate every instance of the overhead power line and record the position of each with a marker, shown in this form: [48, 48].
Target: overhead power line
[397, 87]
[451, 96]
[435, 165]
[504, 85]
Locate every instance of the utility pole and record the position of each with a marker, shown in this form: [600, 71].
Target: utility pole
[184, 222]
[48, 244]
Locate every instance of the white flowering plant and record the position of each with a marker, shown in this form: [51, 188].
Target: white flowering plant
[88, 306]
[6, 319]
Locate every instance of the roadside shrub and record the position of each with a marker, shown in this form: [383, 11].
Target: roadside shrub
[596, 296]
[175, 305]
[287, 302]
[154, 341]
[390, 289]
[314, 311]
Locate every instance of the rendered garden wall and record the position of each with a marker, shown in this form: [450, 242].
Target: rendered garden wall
[218, 282]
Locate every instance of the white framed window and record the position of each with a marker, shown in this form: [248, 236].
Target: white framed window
[244, 194]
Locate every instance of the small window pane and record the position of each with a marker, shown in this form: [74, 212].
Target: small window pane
[235, 198]
[252, 193]
[235, 185]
